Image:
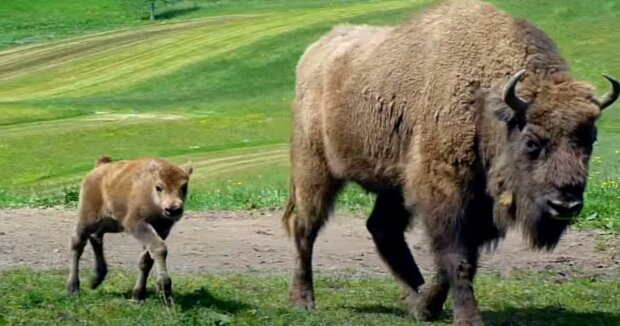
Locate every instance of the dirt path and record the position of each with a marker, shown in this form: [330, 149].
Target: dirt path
[255, 241]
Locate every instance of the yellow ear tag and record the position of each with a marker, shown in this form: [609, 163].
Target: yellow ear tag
[505, 198]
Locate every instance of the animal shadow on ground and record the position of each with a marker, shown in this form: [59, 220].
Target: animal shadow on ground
[396, 311]
[173, 13]
[203, 298]
[378, 309]
[545, 316]
[199, 298]
[548, 316]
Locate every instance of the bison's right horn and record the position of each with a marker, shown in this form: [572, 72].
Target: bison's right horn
[609, 98]
[510, 97]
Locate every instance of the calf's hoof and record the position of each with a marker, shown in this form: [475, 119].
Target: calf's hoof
[164, 287]
[73, 287]
[138, 295]
[95, 282]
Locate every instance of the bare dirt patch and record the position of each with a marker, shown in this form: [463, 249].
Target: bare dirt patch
[207, 242]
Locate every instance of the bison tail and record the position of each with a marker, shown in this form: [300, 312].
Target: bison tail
[103, 160]
[289, 210]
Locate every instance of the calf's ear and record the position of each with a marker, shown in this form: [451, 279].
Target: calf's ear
[152, 166]
[188, 168]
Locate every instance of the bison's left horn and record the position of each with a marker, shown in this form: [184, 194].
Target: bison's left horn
[609, 98]
[510, 97]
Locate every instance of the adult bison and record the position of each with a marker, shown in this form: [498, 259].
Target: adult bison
[463, 118]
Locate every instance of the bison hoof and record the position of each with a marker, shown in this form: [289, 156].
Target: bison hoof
[420, 310]
[304, 301]
[423, 314]
[73, 287]
[477, 321]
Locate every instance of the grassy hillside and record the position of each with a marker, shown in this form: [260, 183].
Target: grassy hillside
[212, 83]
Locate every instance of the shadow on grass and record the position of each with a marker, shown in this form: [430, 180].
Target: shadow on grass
[378, 309]
[548, 316]
[200, 298]
[173, 13]
[513, 316]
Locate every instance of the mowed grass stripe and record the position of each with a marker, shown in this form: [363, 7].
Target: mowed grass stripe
[111, 66]
[130, 65]
[38, 48]
[206, 165]
[147, 61]
[26, 62]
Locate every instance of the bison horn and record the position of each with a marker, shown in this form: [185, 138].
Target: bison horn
[609, 98]
[511, 98]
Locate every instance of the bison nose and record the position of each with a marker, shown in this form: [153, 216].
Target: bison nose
[174, 210]
[560, 208]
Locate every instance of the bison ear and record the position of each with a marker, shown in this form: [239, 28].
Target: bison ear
[188, 169]
[504, 113]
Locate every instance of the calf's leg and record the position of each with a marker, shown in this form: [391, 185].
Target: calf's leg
[76, 247]
[101, 267]
[156, 247]
[145, 265]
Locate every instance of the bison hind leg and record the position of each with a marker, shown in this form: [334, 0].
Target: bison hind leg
[314, 194]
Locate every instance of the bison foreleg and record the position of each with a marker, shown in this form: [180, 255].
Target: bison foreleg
[434, 295]
[460, 266]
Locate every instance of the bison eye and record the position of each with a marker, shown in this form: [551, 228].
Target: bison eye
[159, 188]
[533, 148]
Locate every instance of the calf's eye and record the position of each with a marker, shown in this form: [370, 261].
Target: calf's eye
[159, 188]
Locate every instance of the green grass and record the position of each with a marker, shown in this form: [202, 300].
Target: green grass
[211, 86]
[32, 297]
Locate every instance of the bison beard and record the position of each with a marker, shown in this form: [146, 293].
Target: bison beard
[461, 117]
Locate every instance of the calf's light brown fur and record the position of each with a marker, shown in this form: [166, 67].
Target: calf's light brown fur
[427, 116]
[144, 197]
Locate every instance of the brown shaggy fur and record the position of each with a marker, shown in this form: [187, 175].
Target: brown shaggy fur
[144, 197]
[415, 113]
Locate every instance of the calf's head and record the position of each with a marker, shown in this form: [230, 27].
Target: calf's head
[550, 136]
[169, 187]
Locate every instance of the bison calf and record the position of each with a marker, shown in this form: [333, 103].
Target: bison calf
[143, 197]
